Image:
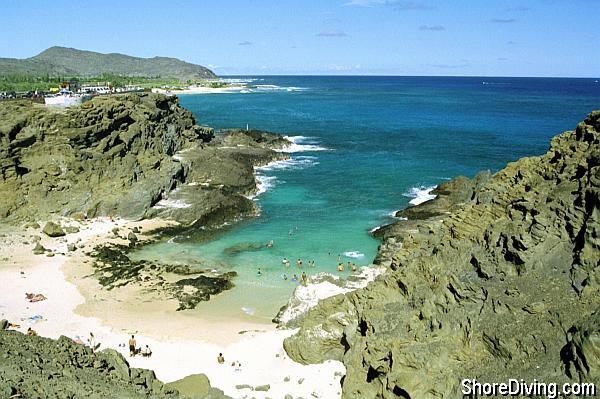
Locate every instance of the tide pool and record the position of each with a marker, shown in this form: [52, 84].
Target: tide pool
[364, 147]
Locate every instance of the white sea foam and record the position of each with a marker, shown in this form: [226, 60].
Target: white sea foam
[302, 144]
[239, 80]
[420, 194]
[278, 88]
[295, 163]
[263, 183]
[354, 254]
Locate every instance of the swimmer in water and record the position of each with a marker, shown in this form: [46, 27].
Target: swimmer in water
[295, 278]
[259, 273]
[284, 277]
[339, 258]
[354, 267]
[340, 267]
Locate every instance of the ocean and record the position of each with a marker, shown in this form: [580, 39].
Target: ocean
[364, 147]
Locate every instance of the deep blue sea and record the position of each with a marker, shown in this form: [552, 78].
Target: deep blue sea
[367, 146]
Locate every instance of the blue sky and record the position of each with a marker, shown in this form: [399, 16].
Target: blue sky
[351, 37]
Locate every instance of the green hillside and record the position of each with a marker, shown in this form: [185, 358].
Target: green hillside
[62, 61]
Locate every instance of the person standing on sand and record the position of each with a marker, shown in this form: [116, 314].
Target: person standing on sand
[304, 278]
[132, 345]
[220, 359]
[92, 342]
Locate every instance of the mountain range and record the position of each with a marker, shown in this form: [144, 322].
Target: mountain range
[63, 61]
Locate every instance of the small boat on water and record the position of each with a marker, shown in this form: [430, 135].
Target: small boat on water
[66, 98]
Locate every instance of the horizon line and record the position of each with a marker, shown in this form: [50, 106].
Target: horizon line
[414, 76]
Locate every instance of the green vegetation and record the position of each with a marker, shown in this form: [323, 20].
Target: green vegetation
[25, 83]
[59, 64]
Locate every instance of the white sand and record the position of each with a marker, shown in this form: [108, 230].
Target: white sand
[175, 354]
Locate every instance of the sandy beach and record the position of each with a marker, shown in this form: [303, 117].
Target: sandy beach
[182, 343]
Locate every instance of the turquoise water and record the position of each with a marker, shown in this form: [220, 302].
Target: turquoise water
[379, 141]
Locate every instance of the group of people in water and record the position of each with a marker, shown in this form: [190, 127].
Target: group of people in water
[299, 263]
[350, 266]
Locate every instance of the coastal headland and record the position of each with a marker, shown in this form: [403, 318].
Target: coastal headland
[495, 278]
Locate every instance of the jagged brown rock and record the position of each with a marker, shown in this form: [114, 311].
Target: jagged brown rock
[498, 279]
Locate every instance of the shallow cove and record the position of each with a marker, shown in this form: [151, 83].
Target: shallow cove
[368, 146]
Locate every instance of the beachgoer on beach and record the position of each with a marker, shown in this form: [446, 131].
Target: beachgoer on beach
[92, 342]
[146, 352]
[295, 278]
[304, 278]
[220, 359]
[132, 345]
[31, 332]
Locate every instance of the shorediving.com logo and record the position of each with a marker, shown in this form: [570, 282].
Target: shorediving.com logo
[520, 387]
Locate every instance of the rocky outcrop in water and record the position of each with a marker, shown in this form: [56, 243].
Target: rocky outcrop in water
[497, 278]
[134, 156]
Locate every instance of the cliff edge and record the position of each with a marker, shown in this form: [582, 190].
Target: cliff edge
[497, 278]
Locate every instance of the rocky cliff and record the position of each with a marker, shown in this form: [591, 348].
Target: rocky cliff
[37, 367]
[121, 156]
[497, 278]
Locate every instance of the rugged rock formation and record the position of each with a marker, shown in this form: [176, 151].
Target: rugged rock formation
[498, 278]
[113, 155]
[121, 156]
[37, 367]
